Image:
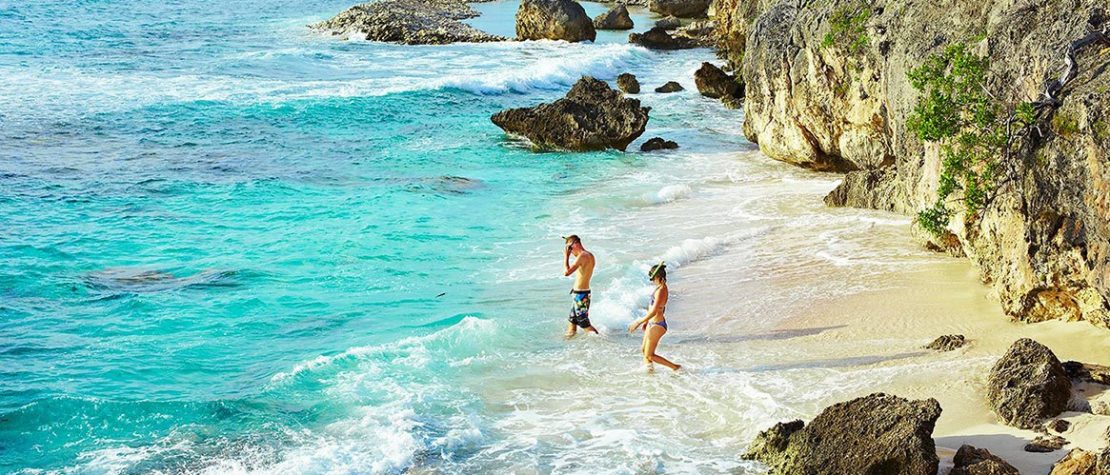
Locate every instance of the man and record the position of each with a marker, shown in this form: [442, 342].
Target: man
[583, 270]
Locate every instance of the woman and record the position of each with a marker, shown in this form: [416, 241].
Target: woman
[654, 323]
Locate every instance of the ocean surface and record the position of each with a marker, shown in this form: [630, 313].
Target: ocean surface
[229, 244]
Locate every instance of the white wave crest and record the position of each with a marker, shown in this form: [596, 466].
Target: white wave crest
[668, 194]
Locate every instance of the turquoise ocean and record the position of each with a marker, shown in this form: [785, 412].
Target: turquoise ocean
[229, 244]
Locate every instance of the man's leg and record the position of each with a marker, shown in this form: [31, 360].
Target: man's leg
[572, 330]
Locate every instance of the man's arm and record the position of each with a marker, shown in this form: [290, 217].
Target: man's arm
[566, 259]
[570, 269]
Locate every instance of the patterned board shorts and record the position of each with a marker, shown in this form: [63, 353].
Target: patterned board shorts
[580, 311]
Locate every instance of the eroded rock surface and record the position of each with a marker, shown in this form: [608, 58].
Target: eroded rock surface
[408, 22]
[973, 461]
[876, 434]
[617, 18]
[680, 8]
[658, 143]
[658, 38]
[592, 116]
[553, 20]
[947, 343]
[716, 84]
[1082, 462]
[668, 87]
[1027, 385]
[628, 83]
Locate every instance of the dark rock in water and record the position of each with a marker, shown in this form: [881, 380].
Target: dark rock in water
[1083, 462]
[668, 22]
[680, 8]
[658, 38]
[592, 116]
[1091, 373]
[1058, 426]
[1046, 444]
[657, 143]
[617, 18]
[876, 434]
[947, 343]
[1028, 385]
[140, 280]
[716, 84]
[408, 22]
[972, 461]
[553, 20]
[627, 82]
[670, 86]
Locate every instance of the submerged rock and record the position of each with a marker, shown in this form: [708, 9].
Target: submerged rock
[670, 86]
[680, 8]
[947, 343]
[657, 143]
[972, 461]
[628, 83]
[658, 38]
[553, 20]
[408, 22]
[592, 116]
[1027, 385]
[876, 434]
[617, 18]
[716, 84]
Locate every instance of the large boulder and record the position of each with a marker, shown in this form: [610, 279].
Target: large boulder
[1027, 385]
[1083, 462]
[972, 461]
[717, 84]
[658, 38]
[553, 20]
[876, 434]
[592, 116]
[617, 18]
[408, 22]
[680, 8]
[628, 83]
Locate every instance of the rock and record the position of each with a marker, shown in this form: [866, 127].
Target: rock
[627, 82]
[716, 84]
[680, 8]
[876, 434]
[1082, 462]
[617, 18]
[408, 22]
[1046, 444]
[1091, 373]
[553, 20]
[1058, 426]
[972, 461]
[701, 32]
[1043, 246]
[658, 38]
[670, 86]
[1027, 385]
[592, 116]
[669, 22]
[657, 143]
[947, 343]
[1100, 405]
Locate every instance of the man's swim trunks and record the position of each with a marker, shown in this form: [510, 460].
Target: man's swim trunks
[580, 311]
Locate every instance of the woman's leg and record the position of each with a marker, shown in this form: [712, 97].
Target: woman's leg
[654, 333]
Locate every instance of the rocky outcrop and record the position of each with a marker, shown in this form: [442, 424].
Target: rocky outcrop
[669, 22]
[716, 84]
[617, 18]
[1027, 385]
[972, 461]
[1043, 240]
[1086, 372]
[658, 38]
[1046, 444]
[668, 87]
[627, 83]
[947, 343]
[1082, 462]
[592, 116]
[680, 8]
[553, 20]
[414, 22]
[877, 434]
[658, 143]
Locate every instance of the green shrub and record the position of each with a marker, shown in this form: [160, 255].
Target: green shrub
[1065, 124]
[847, 28]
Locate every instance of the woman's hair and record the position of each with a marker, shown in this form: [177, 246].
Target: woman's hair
[658, 271]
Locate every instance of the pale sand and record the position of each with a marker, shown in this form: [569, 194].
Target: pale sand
[929, 312]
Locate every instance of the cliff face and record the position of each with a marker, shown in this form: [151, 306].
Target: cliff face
[1044, 239]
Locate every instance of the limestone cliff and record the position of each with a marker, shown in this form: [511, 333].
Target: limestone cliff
[1043, 240]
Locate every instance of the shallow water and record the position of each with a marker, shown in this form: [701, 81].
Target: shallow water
[232, 245]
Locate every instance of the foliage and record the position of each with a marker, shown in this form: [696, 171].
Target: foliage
[847, 28]
[973, 128]
[1065, 124]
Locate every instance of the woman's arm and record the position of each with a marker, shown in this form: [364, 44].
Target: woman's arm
[652, 311]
